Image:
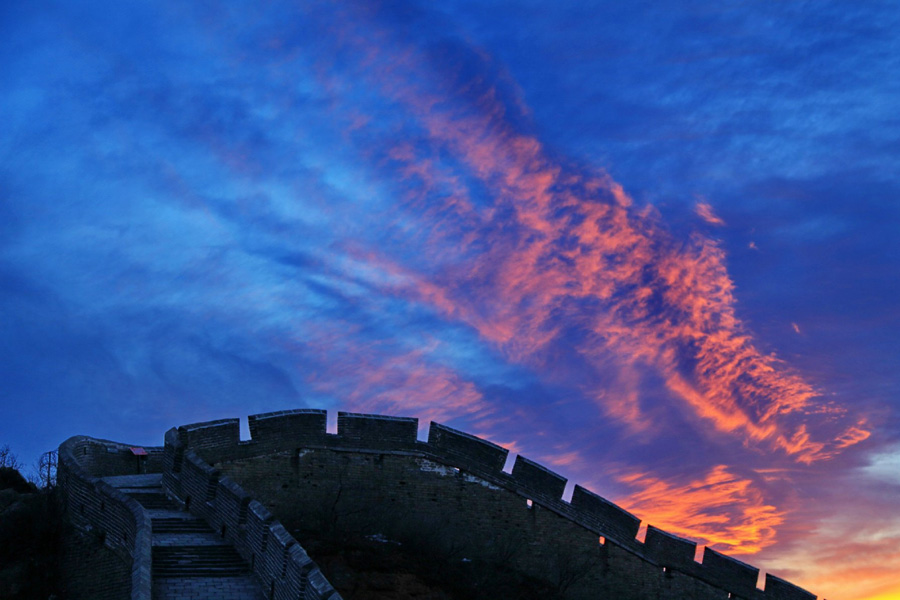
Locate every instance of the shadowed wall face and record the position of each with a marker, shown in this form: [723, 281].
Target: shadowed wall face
[322, 492]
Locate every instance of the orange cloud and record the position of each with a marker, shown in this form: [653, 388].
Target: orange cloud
[705, 212]
[570, 248]
[372, 379]
[851, 561]
[721, 510]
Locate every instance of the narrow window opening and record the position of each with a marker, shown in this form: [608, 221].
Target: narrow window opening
[223, 530]
[761, 580]
[602, 540]
[529, 503]
[665, 570]
[698, 554]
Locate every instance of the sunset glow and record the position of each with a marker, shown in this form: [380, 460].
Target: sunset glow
[654, 249]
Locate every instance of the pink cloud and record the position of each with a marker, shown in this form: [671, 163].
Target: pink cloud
[705, 212]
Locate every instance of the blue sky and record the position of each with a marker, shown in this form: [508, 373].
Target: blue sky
[652, 245]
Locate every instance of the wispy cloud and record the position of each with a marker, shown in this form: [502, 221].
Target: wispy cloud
[721, 509]
[705, 211]
[575, 257]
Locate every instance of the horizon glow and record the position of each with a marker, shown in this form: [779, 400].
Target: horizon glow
[651, 248]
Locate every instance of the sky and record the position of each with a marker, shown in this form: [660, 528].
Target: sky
[651, 245]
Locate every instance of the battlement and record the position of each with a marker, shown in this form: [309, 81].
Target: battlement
[118, 521]
[292, 449]
[294, 430]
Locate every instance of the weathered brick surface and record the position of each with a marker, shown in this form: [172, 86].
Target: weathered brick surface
[669, 550]
[376, 431]
[538, 479]
[288, 428]
[91, 570]
[467, 450]
[779, 589]
[449, 493]
[115, 521]
[608, 518]
[740, 578]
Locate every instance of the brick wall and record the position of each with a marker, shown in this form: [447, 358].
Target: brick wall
[278, 562]
[375, 477]
[103, 514]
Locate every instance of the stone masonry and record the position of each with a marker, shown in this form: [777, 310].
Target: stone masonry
[376, 478]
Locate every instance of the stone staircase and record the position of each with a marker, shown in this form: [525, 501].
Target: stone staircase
[197, 561]
[189, 560]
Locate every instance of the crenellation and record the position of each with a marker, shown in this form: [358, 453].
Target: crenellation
[318, 588]
[453, 486]
[357, 430]
[607, 518]
[230, 511]
[275, 557]
[95, 507]
[779, 589]
[464, 450]
[729, 573]
[198, 484]
[210, 436]
[538, 479]
[287, 429]
[669, 550]
[257, 530]
[299, 566]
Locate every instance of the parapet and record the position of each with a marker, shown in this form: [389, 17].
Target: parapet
[670, 550]
[93, 505]
[729, 573]
[303, 427]
[538, 479]
[211, 436]
[276, 559]
[293, 430]
[464, 450]
[779, 589]
[377, 431]
[614, 522]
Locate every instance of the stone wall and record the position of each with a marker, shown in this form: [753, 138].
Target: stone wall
[102, 516]
[373, 475]
[279, 563]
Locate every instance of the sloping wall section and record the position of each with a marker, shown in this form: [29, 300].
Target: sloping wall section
[453, 483]
[113, 519]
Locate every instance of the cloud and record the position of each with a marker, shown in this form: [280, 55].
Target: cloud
[571, 254]
[705, 211]
[721, 509]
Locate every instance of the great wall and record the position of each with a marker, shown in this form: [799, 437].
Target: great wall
[220, 496]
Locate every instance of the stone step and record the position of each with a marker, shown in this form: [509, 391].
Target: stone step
[154, 501]
[197, 561]
[175, 525]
